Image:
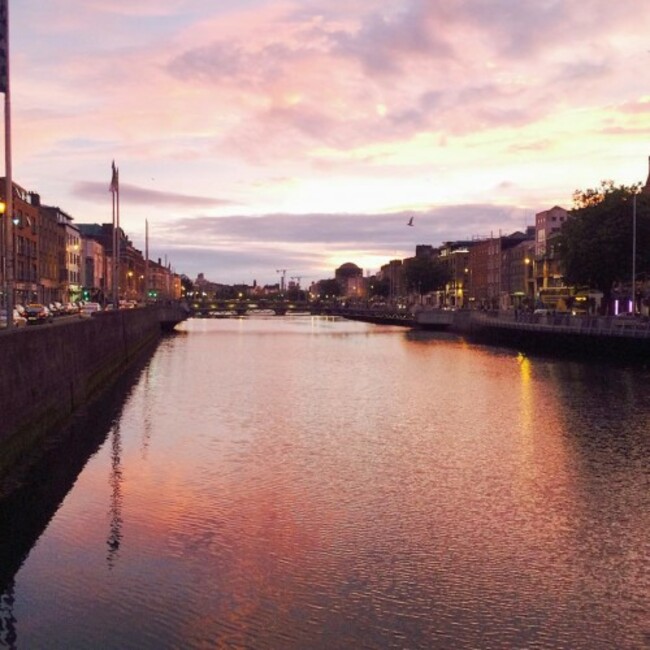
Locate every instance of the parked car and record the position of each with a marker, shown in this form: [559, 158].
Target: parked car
[89, 308]
[37, 313]
[19, 321]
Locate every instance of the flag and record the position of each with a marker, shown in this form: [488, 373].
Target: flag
[115, 183]
[4, 47]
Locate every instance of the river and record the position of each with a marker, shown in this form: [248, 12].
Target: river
[309, 482]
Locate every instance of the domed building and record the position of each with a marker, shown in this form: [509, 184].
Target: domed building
[350, 279]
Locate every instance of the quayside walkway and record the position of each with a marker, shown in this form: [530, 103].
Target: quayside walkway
[556, 333]
[611, 326]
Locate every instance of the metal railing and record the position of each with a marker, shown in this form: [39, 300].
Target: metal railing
[617, 326]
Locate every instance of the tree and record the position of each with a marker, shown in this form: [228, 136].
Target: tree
[596, 239]
[379, 288]
[295, 294]
[425, 274]
[187, 285]
[328, 288]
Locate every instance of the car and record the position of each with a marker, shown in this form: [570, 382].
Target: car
[18, 320]
[37, 313]
[89, 308]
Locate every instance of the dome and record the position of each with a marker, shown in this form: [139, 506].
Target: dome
[348, 270]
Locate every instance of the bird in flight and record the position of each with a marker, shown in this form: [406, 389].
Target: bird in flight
[410, 222]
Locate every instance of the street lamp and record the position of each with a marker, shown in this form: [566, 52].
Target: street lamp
[527, 282]
[3, 253]
[633, 290]
[8, 260]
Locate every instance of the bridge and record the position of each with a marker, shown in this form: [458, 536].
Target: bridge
[241, 307]
[387, 314]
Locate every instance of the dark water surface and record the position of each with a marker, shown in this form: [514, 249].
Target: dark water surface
[310, 483]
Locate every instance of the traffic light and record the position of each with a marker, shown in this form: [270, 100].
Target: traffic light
[85, 294]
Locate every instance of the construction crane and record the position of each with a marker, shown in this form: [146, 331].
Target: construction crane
[284, 272]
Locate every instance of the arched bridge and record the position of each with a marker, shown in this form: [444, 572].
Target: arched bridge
[216, 308]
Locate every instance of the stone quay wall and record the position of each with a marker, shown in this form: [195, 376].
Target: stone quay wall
[49, 371]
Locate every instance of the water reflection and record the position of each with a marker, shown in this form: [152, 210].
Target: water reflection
[8, 635]
[304, 482]
[115, 528]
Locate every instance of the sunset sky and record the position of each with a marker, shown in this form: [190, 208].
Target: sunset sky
[257, 135]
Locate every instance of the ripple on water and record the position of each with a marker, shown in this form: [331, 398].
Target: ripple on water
[306, 483]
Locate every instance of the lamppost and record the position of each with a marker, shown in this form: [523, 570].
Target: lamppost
[8, 259]
[527, 281]
[633, 289]
[3, 251]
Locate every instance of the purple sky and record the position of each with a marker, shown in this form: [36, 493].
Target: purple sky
[257, 135]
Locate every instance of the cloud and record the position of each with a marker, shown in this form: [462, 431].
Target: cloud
[240, 248]
[364, 107]
[383, 42]
[346, 231]
[92, 191]
[232, 62]
[641, 107]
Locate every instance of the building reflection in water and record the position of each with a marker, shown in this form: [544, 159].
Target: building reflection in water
[320, 484]
[7, 620]
[116, 479]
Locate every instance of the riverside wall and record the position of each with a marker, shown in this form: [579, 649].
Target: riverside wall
[49, 371]
[564, 335]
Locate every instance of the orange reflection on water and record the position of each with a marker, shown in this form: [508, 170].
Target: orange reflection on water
[278, 480]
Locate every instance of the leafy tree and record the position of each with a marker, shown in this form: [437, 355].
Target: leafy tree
[187, 284]
[594, 195]
[596, 239]
[328, 288]
[425, 274]
[379, 288]
[295, 294]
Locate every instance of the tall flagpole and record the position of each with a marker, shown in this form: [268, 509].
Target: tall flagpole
[146, 260]
[114, 189]
[633, 308]
[119, 239]
[8, 270]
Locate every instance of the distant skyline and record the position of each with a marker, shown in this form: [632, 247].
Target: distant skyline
[257, 135]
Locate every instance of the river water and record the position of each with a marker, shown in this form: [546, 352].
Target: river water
[305, 482]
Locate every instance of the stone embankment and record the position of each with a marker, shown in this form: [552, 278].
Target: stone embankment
[560, 334]
[49, 371]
